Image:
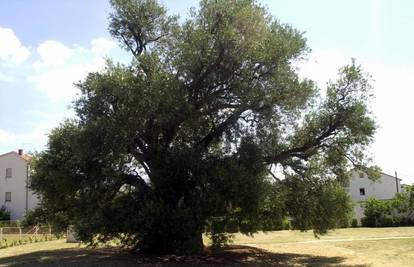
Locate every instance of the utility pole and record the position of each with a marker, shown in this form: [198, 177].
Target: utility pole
[27, 187]
[396, 181]
[27, 181]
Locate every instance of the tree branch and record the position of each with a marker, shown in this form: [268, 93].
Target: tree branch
[218, 131]
[272, 174]
[306, 150]
[195, 86]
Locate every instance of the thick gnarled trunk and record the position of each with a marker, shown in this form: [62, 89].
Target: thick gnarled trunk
[169, 237]
[176, 225]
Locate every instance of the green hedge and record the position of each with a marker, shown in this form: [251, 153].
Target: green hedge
[398, 211]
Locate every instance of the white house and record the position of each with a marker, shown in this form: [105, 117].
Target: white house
[14, 177]
[361, 188]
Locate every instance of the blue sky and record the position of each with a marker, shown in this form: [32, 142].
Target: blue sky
[46, 45]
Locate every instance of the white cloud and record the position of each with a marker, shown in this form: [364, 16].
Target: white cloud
[60, 66]
[53, 73]
[35, 133]
[58, 84]
[102, 46]
[52, 54]
[11, 49]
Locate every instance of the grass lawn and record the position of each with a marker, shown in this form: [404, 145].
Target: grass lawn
[352, 247]
[344, 247]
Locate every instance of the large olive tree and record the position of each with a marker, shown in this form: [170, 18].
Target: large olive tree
[209, 123]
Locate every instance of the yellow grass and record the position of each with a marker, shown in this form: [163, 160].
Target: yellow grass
[348, 233]
[344, 247]
[395, 247]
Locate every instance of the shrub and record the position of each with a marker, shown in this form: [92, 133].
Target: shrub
[354, 222]
[377, 213]
[394, 212]
[4, 214]
[34, 217]
[217, 232]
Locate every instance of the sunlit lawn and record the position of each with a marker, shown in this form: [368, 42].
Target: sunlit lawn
[282, 248]
[344, 243]
[24, 236]
[348, 233]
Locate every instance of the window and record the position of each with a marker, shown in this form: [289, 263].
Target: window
[8, 197]
[362, 191]
[8, 172]
[361, 175]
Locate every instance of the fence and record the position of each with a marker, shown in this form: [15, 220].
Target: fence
[21, 233]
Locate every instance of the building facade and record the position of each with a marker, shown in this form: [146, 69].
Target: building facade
[361, 188]
[14, 177]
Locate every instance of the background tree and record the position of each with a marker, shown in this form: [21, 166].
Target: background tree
[403, 202]
[192, 131]
[377, 213]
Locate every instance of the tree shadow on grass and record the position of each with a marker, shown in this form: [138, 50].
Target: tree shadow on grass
[232, 256]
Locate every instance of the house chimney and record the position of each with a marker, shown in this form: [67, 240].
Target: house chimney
[20, 151]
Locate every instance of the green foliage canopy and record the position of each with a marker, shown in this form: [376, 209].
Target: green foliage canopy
[191, 129]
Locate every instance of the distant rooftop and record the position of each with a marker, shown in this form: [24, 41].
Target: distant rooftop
[19, 153]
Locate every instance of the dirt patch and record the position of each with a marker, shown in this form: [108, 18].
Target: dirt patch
[231, 256]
